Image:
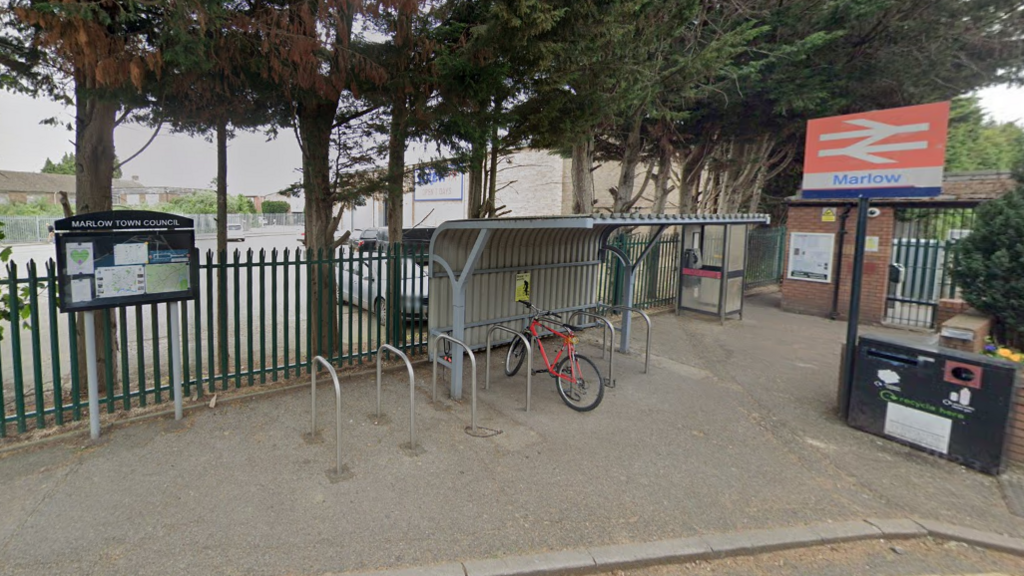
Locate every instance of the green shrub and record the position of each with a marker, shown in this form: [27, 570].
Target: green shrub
[989, 265]
[276, 207]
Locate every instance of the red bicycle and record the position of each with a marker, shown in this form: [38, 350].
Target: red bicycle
[577, 378]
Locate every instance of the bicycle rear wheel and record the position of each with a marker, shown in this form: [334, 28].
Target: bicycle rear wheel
[582, 389]
[514, 358]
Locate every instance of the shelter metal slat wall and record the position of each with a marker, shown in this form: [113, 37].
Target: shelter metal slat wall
[545, 254]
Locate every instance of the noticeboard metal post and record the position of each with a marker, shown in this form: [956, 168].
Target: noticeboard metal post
[125, 258]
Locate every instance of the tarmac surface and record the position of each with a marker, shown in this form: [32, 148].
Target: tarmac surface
[733, 429]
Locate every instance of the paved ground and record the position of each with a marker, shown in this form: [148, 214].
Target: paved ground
[874, 558]
[732, 430]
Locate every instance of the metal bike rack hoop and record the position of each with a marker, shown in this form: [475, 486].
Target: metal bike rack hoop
[412, 391]
[337, 401]
[604, 341]
[647, 319]
[529, 360]
[472, 361]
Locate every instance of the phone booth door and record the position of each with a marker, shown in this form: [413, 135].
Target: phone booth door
[703, 255]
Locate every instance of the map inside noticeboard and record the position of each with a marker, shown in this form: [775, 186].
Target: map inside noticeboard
[106, 270]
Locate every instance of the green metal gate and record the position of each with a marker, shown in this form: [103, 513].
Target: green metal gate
[923, 254]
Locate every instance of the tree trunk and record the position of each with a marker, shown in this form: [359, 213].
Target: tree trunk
[222, 245]
[476, 180]
[222, 185]
[661, 191]
[315, 120]
[663, 180]
[94, 173]
[582, 176]
[491, 206]
[396, 167]
[623, 200]
[395, 208]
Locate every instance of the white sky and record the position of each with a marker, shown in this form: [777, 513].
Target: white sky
[255, 166]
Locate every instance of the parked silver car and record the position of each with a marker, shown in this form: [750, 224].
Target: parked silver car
[363, 281]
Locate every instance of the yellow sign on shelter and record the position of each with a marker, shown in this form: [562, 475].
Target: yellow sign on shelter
[523, 287]
[828, 214]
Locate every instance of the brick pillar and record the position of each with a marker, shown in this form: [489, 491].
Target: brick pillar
[948, 308]
[808, 297]
[1015, 448]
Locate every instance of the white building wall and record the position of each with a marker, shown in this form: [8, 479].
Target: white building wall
[530, 183]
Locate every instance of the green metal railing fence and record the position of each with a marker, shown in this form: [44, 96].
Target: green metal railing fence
[766, 252]
[251, 324]
[657, 278]
[923, 250]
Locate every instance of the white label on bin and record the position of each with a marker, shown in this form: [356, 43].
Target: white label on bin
[917, 427]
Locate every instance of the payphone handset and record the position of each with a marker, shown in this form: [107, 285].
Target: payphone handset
[691, 258]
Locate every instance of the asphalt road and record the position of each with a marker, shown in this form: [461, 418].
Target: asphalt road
[923, 557]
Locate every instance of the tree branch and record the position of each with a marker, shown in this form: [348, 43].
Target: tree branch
[353, 116]
[144, 146]
[127, 112]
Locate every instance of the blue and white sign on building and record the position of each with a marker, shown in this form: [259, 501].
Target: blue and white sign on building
[434, 186]
[894, 153]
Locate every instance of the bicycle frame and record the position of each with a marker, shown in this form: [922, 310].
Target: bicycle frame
[568, 347]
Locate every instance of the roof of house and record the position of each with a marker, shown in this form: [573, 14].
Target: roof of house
[987, 185]
[34, 182]
[964, 188]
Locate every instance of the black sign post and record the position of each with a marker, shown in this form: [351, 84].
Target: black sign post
[853, 321]
[132, 257]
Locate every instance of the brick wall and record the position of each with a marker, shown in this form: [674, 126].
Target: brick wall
[948, 308]
[1015, 447]
[807, 297]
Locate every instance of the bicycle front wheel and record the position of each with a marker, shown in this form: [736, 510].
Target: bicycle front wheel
[514, 358]
[579, 383]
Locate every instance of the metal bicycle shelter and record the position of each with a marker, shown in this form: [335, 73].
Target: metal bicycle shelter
[474, 266]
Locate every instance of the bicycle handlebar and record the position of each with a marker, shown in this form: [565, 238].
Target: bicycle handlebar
[540, 312]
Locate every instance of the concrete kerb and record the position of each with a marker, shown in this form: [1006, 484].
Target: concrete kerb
[232, 398]
[713, 546]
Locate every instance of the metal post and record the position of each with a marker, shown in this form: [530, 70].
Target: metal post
[604, 334]
[459, 304]
[529, 360]
[412, 390]
[853, 320]
[627, 302]
[627, 297]
[337, 406]
[90, 368]
[723, 288]
[647, 319]
[175, 336]
[472, 361]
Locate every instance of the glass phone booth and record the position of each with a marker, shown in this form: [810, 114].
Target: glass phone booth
[714, 257]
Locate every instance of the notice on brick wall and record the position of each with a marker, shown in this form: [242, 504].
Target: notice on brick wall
[810, 257]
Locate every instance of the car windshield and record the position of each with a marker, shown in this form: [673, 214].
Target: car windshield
[369, 234]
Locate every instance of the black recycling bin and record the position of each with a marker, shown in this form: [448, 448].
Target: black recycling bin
[952, 404]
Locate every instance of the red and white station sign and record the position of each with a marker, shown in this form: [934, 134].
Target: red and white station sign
[885, 153]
